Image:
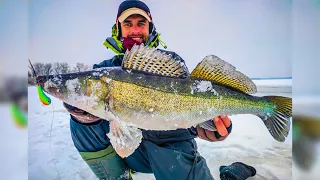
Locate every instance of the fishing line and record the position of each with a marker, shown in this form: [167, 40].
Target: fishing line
[50, 143]
[45, 100]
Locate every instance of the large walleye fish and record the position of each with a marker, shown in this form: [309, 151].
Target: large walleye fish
[153, 91]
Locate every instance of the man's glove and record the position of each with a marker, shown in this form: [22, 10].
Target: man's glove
[223, 125]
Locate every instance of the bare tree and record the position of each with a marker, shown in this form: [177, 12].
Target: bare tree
[87, 67]
[65, 68]
[56, 68]
[39, 68]
[47, 68]
[79, 67]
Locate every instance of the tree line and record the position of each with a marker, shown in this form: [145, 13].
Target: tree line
[44, 69]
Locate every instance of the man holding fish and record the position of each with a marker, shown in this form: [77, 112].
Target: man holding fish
[134, 26]
[142, 109]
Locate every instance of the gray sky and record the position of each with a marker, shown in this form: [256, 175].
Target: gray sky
[254, 36]
[306, 48]
[13, 37]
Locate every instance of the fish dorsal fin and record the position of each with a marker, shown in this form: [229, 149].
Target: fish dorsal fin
[152, 61]
[212, 68]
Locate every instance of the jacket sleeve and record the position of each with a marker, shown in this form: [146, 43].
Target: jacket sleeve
[115, 61]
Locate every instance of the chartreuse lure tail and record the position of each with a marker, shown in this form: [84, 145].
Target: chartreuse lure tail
[19, 117]
[44, 99]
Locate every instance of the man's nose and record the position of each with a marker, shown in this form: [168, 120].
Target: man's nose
[135, 30]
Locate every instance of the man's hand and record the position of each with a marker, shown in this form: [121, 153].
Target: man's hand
[223, 125]
[81, 115]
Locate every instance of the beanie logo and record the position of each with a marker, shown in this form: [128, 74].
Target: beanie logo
[149, 15]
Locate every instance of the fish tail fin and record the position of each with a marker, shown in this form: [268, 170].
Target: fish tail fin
[278, 123]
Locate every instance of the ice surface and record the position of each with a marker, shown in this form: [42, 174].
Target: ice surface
[14, 147]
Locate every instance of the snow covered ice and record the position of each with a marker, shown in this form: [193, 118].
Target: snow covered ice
[249, 142]
[14, 147]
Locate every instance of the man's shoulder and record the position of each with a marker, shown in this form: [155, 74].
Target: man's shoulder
[114, 61]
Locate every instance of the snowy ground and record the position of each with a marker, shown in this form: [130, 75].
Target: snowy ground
[14, 147]
[250, 144]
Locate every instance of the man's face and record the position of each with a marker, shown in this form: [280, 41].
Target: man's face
[135, 27]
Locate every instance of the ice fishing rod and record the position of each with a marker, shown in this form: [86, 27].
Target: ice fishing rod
[34, 74]
[44, 99]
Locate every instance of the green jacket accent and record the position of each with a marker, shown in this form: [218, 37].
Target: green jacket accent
[115, 44]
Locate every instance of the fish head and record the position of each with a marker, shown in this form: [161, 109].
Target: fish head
[81, 90]
[54, 85]
[40, 80]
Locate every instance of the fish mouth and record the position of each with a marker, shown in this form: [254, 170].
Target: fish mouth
[40, 80]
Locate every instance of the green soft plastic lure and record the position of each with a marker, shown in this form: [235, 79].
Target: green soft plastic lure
[44, 99]
[19, 117]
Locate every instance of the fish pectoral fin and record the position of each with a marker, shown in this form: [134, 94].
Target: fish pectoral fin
[212, 68]
[152, 61]
[208, 125]
[124, 139]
